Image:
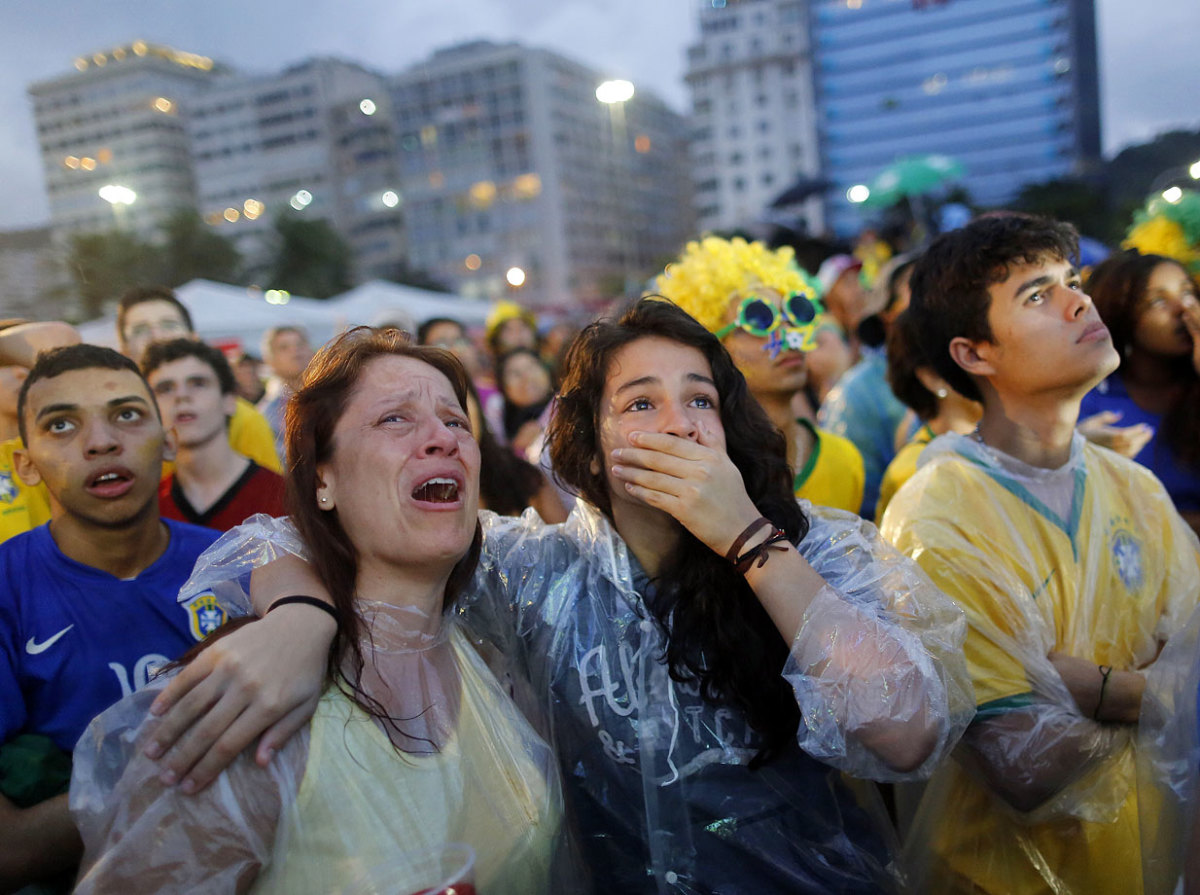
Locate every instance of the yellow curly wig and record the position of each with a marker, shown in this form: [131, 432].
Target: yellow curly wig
[713, 270]
[1160, 236]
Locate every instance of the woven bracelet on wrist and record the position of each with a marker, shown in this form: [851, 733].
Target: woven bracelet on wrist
[307, 601]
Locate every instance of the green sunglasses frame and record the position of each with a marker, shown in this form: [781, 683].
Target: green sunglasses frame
[777, 315]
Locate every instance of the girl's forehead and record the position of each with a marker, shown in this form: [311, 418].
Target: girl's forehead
[655, 356]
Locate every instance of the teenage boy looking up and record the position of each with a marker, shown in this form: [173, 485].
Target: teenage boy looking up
[88, 605]
[1070, 562]
[212, 484]
[152, 313]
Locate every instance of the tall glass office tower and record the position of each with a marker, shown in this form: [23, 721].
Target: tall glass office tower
[1007, 87]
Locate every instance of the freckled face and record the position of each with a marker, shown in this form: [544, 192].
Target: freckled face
[404, 476]
[96, 441]
[656, 385]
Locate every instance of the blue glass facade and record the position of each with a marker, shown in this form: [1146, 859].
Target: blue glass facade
[1007, 87]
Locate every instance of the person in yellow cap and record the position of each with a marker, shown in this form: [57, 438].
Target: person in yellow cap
[510, 326]
[765, 310]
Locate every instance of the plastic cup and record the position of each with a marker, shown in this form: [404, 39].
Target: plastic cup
[449, 870]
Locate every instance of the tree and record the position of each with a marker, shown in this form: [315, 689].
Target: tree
[311, 258]
[1084, 203]
[405, 275]
[103, 265]
[192, 249]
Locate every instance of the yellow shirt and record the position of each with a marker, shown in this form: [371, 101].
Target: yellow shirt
[901, 469]
[833, 475]
[251, 436]
[1106, 582]
[361, 804]
[21, 507]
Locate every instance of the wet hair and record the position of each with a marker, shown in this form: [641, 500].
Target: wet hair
[424, 329]
[159, 353]
[1117, 287]
[717, 633]
[140, 295]
[54, 362]
[904, 358]
[310, 419]
[950, 281]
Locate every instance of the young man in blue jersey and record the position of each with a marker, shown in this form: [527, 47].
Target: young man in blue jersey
[1070, 562]
[88, 607]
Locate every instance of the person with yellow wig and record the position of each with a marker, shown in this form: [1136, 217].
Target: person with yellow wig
[765, 309]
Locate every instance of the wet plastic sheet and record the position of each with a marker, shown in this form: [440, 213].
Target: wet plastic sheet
[1090, 560]
[1168, 759]
[340, 798]
[656, 776]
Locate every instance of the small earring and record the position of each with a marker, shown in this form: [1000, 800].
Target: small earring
[324, 500]
[941, 393]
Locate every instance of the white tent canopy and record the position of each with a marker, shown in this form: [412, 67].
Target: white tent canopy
[378, 301]
[222, 314]
[225, 314]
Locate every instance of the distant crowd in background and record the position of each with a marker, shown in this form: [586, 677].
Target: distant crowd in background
[904, 602]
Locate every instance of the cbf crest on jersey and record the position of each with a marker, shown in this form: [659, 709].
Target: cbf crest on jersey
[204, 615]
[1127, 557]
[8, 488]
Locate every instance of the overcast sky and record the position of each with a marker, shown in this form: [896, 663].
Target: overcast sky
[1149, 52]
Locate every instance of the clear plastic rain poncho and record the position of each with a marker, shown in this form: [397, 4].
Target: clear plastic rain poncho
[657, 778]
[1090, 560]
[455, 762]
[1168, 759]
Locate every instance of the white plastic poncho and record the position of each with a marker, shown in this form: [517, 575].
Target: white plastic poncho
[1090, 560]
[339, 800]
[1168, 760]
[655, 776]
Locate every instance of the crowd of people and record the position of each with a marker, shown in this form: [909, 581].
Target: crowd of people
[872, 578]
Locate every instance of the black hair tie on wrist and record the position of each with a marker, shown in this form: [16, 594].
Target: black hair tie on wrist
[307, 601]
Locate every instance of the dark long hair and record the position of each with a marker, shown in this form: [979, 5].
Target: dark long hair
[312, 413]
[1117, 287]
[507, 483]
[717, 632]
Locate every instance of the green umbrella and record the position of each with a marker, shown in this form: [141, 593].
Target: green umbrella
[914, 175]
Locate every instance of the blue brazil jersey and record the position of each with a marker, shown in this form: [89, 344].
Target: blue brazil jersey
[74, 639]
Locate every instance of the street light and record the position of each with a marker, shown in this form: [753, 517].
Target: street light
[615, 94]
[858, 193]
[618, 91]
[120, 198]
[1170, 178]
[515, 277]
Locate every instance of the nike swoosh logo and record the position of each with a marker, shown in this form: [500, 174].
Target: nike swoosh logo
[33, 647]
